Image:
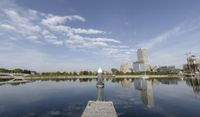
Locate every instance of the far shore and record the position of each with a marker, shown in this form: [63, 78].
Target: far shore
[95, 76]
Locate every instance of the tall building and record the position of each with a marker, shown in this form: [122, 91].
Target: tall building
[142, 55]
[124, 68]
[142, 63]
[139, 66]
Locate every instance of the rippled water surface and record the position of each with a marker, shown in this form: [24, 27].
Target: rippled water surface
[131, 98]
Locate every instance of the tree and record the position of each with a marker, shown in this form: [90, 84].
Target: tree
[75, 74]
[114, 71]
[2, 70]
[26, 71]
[18, 70]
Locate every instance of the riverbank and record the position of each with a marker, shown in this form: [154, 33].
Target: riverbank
[95, 76]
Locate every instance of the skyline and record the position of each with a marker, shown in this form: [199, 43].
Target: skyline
[73, 35]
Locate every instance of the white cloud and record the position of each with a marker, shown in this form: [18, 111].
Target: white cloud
[86, 31]
[56, 20]
[21, 21]
[23, 24]
[79, 18]
[87, 42]
[56, 42]
[107, 40]
[7, 27]
[33, 37]
[68, 29]
[41, 27]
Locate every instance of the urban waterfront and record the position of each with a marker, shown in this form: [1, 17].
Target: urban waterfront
[131, 97]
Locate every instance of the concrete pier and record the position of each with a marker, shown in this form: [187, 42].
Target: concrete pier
[99, 109]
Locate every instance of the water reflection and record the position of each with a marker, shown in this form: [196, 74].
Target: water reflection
[169, 81]
[69, 97]
[146, 89]
[195, 84]
[126, 83]
[100, 87]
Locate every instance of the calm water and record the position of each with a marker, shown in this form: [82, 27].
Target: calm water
[152, 98]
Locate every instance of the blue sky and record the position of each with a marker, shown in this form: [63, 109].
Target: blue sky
[71, 35]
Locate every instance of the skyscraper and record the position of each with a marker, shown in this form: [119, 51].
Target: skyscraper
[142, 55]
[142, 63]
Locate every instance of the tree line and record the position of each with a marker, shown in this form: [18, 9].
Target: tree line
[114, 71]
[68, 73]
[17, 70]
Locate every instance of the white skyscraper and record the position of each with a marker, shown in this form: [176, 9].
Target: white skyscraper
[142, 55]
[142, 63]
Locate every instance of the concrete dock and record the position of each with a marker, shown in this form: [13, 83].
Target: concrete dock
[99, 109]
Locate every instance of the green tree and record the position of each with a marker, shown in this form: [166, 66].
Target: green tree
[18, 70]
[114, 71]
[2, 70]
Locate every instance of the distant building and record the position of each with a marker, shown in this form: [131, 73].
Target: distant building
[124, 68]
[139, 66]
[142, 63]
[193, 64]
[33, 72]
[167, 68]
[154, 68]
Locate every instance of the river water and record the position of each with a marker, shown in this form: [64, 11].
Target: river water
[131, 98]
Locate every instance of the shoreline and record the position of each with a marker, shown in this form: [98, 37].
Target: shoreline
[85, 77]
[95, 77]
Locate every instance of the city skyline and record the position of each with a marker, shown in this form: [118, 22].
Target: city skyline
[73, 35]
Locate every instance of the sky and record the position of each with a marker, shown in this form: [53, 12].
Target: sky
[73, 35]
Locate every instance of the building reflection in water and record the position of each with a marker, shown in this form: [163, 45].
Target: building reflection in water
[195, 84]
[169, 82]
[146, 89]
[126, 83]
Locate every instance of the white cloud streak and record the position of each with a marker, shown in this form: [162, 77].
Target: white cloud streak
[56, 20]
[7, 27]
[182, 28]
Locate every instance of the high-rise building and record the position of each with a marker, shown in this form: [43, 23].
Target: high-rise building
[142, 63]
[142, 55]
[139, 66]
[124, 68]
